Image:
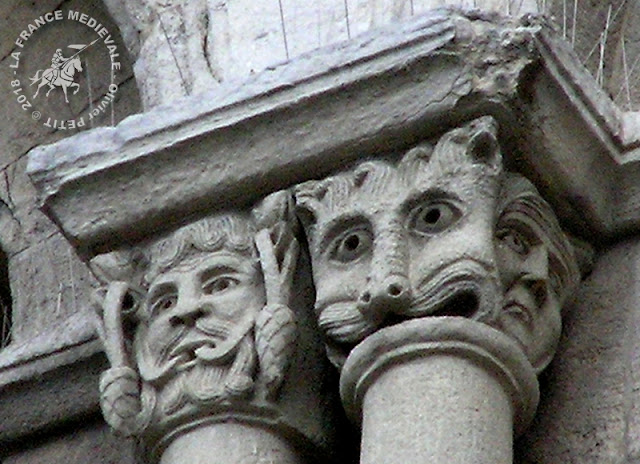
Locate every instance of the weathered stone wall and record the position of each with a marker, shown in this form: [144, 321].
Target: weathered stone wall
[605, 37]
[589, 400]
[50, 286]
[590, 409]
[241, 38]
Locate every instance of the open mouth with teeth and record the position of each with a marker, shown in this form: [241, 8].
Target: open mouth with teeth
[465, 303]
[193, 353]
[461, 298]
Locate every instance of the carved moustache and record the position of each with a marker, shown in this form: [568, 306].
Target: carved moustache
[209, 342]
[211, 383]
[464, 288]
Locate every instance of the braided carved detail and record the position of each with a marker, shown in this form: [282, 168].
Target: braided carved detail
[275, 344]
[123, 405]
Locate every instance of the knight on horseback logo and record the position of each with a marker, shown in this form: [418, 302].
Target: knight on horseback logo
[62, 71]
[69, 59]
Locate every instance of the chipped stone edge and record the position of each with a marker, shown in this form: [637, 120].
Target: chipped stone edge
[65, 169]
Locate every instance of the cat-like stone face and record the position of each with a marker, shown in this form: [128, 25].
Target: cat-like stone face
[391, 242]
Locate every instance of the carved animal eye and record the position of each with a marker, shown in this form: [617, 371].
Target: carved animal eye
[515, 240]
[219, 284]
[350, 245]
[433, 217]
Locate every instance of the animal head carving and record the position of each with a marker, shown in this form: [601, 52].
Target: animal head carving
[443, 232]
[390, 242]
[199, 319]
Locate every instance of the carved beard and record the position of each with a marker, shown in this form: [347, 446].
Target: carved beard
[207, 383]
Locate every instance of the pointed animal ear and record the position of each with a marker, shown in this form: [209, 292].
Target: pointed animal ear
[308, 202]
[473, 145]
[483, 146]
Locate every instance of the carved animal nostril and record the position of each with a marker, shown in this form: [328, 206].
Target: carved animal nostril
[394, 290]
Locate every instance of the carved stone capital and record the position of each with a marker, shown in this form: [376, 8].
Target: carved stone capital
[201, 331]
[416, 262]
[430, 228]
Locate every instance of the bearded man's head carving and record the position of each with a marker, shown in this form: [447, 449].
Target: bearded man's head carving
[189, 324]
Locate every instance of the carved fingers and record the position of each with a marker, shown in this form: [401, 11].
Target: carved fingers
[117, 303]
[277, 246]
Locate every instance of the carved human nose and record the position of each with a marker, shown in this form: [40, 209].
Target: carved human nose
[187, 310]
[188, 318]
[536, 266]
[388, 290]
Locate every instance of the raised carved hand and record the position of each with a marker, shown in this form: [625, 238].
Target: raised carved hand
[275, 324]
[121, 399]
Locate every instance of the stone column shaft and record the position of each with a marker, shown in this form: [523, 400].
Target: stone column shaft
[438, 390]
[230, 443]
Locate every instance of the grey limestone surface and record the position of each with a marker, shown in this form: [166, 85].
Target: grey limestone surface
[49, 375]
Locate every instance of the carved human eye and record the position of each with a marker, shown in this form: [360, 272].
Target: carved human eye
[164, 302]
[433, 217]
[219, 284]
[351, 245]
[515, 240]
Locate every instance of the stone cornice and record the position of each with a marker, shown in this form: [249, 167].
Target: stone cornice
[371, 96]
